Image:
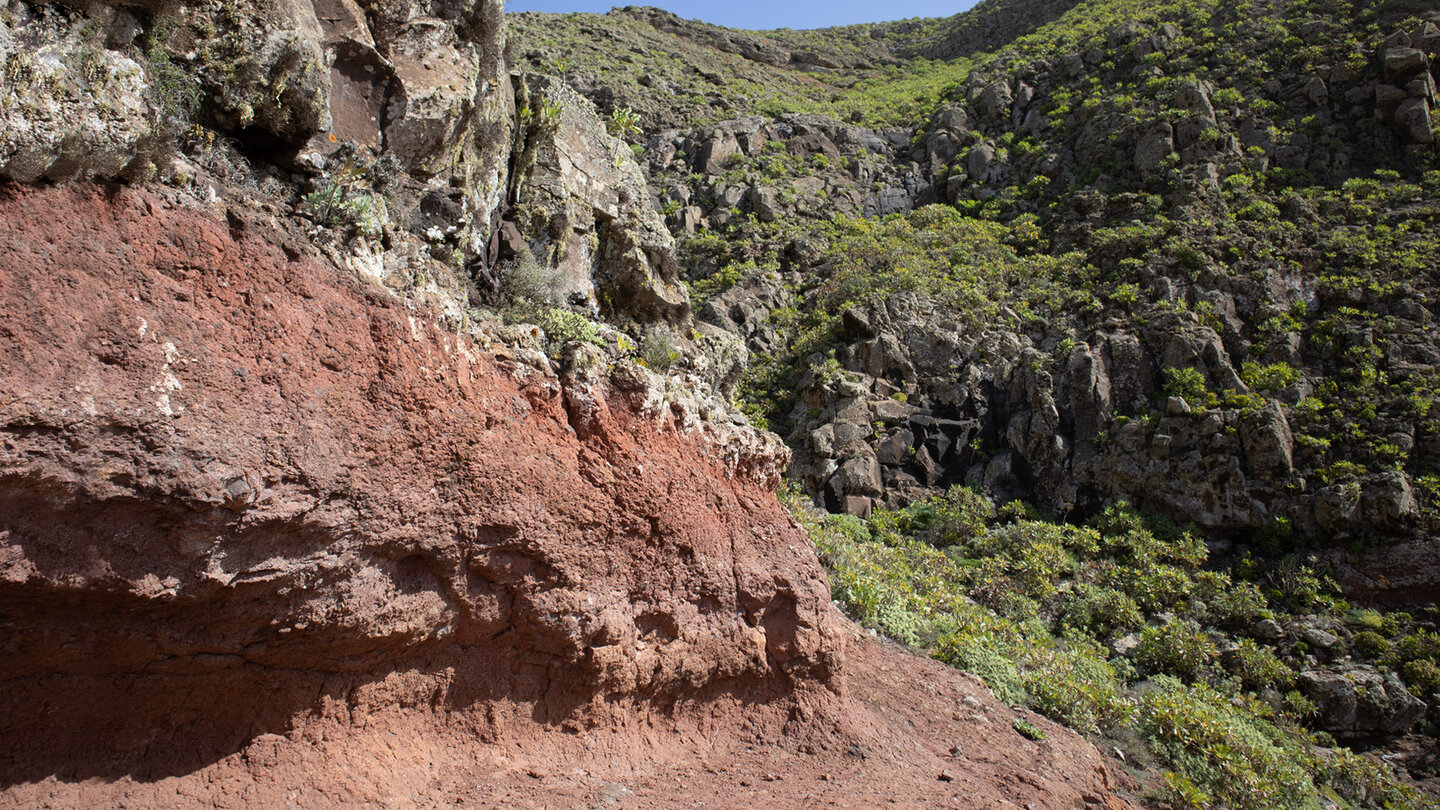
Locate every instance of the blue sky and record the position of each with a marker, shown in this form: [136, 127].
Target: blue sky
[766, 14]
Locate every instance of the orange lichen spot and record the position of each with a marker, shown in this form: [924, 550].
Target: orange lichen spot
[334, 139]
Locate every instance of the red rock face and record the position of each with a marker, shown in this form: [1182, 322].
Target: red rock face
[238, 490]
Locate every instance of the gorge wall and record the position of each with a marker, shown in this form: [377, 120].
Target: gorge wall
[286, 520]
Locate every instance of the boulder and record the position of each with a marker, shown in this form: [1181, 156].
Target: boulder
[1268, 443]
[995, 100]
[1412, 119]
[861, 476]
[1154, 147]
[590, 215]
[895, 447]
[765, 202]
[1267, 629]
[1358, 701]
[1336, 505]
[1390, 502]
[1403, 62]
[1194, 98]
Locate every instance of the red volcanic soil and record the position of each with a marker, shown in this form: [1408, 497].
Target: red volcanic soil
[271, 538]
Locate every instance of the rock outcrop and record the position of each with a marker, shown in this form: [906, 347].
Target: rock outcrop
[104, 90]
[800, 165]
[580, 203]
[241, 488]
[1359, 702]
[270, 535]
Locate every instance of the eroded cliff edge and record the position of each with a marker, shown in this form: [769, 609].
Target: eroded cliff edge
[235, 484]
[271, 536]
[286, 521]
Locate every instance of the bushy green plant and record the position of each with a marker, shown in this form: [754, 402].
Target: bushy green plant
[1422, 676]
[983, 654]
[1258, 667]
[1226, 750]
[1069, 682]
[657, 348]
[1268, 377]
[563, 326]
[1239, 605]
[1178, 648]
[1187, 384]
[1154, 587]
[1029, 606]
[1369, 645]
[1301, 588]
[1102, 612]
[960, 515]
[1366, 781]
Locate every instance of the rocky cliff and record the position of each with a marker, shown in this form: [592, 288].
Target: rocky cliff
[1104, 331]
[1216, 273]
[359, 447]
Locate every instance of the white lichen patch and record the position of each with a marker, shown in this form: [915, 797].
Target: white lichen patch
[168, 383]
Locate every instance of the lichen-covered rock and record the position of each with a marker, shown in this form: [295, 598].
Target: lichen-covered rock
[70, 107]
[265, 68]
[1359, 701]
[106, 90]
[582, 203]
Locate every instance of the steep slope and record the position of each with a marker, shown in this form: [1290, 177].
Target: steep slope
[272, 536]
[359, 447]
[1112, 362]
[1199, 225]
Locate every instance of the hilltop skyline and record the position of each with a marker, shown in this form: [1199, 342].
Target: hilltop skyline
[762, 16]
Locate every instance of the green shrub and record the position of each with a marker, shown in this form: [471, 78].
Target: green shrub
[1102, 612]
[961, 514]
[657, 349]
[1069, 682]
[1268, 378]
[1226, 751]
[1075, 685]
[985, 655]
[1368, 618]
[1131, 537]
[1239, 606]
[563, 326]
[1258, 667]
[1422, 676]
[1418, 645]
[1155, 587]
[1365, 781]
[1188, 384]
[1300, 588]
[1369, 645]
[623, 122]
[1178, 648]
